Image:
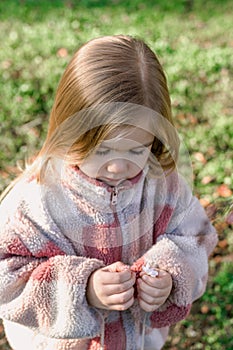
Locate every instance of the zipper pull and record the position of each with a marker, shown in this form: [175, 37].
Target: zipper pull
[114, 196]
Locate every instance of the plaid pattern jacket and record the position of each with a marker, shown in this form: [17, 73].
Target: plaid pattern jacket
[54, 235]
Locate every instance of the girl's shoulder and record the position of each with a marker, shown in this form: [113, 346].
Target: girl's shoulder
[23, 194]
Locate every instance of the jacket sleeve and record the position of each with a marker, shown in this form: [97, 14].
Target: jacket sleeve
[183, 251]
[42, 285]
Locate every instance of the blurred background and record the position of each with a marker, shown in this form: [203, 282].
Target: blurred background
[194, 42]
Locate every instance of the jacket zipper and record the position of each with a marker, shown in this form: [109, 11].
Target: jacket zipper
[114, 196]
[114, 201]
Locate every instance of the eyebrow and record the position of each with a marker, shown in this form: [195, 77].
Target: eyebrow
[142, 145]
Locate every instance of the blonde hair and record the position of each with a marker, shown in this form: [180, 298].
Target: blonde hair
[106, 70]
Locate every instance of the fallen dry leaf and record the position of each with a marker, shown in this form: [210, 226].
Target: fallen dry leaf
[223, 244]
[200, 157]
[224, 191]
[204, 309]
[207, 179]
[229, 218]
[62, 52]
[204, 202]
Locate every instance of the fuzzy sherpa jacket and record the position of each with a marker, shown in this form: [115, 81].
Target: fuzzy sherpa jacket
[54, 235]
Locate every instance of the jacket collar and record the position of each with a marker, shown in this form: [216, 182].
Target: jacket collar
[97, 193]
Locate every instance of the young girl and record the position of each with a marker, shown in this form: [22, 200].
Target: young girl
[102, 244]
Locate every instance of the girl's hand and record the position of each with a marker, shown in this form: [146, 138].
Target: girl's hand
[153, 291]
[111, 287]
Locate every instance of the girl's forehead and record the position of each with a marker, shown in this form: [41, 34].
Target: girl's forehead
[129, 136]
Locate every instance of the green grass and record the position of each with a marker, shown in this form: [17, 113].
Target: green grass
[194, 41]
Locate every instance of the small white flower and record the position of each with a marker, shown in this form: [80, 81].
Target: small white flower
[149, 270]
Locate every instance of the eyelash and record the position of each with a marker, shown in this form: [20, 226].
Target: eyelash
[138, 152]
[104, 153]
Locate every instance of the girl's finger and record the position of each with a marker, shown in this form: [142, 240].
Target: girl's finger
[147, 307]
[108, 277]
[160, 282]
[122, 298]
[122, 307]
[118, 266]
[154, 293]
[152, 299]
[111, 289]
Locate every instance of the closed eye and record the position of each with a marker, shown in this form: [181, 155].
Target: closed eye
[137, 151]
[102, 152]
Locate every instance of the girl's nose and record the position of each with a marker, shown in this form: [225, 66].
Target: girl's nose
[117, 166]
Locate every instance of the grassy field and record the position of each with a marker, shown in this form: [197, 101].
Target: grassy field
[194, 41]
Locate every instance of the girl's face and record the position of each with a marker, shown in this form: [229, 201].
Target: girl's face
[120, 157]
